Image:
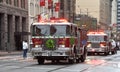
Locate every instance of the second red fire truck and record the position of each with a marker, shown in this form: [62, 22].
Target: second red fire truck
[99, 42]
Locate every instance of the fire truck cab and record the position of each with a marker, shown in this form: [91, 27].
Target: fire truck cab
[57, 40]
[98, 42]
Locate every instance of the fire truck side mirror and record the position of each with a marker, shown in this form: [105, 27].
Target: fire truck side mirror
[79, 29]
[105, 38]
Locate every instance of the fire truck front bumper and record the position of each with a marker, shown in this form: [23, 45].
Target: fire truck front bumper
[59, 52]
[96, 50]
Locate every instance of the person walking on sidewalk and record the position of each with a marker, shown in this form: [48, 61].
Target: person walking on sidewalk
[113, 43]
[25, 49]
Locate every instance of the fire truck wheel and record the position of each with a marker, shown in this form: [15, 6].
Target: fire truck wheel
[53, 61]
[78, 60]
[113, 52]
[83, 57]
[106, 53]
[71, 61]
[40, 61]
[116, 51]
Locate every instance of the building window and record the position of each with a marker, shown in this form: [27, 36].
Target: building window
[119, 7]
[9, 2]
[118, 10]
[62, 5]
[31, 9]
[37, 9]
[16, 3]
[1, 1]
[69, 5]
[118, 14]
[23, 3]
[118, 17]
[118, 24]
[118, 3]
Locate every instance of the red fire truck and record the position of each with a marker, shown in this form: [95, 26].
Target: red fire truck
[57, 40]
[99, 42]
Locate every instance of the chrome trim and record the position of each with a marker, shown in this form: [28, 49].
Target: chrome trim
[58, 52]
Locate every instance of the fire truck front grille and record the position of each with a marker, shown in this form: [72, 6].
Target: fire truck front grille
[95, 45]
[49, 44]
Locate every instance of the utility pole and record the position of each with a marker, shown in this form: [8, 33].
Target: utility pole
[80, 18]
[52, 9]
[87, 11]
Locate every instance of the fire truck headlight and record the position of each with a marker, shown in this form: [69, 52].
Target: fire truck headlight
[89, 45]
[101, 45]
[61, 45]
[37, 46]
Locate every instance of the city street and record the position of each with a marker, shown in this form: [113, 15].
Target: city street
[57, 35]
[98, 63]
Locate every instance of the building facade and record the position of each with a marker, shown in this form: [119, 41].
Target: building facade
[100, 9]
[105, 13]
[114, 16]
[88, 7]
[87, 13]
[67, 9]
[33, 12]
[13, 24]
[118, 15]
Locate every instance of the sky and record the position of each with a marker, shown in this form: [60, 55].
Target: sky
[90, 6]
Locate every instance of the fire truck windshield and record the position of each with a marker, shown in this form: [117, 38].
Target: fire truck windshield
[51, 30]
[96, 38]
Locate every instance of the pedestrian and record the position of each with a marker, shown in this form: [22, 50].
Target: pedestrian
[25, 49]
[113, 43]
[117, 45]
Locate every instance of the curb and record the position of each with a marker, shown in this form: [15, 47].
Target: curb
[10, 53]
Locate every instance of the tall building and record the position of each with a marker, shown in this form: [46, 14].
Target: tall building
[88, 7]
[67, 9]
[100, 9]
[114, 16]
[118, 15]
[33, 12]
[87, 13]
[105, 13]
[13, 23]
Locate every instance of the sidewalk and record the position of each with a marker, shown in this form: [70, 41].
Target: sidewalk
[14, 56]
[5, 53]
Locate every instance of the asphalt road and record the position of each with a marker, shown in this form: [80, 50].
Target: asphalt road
[97, 63]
